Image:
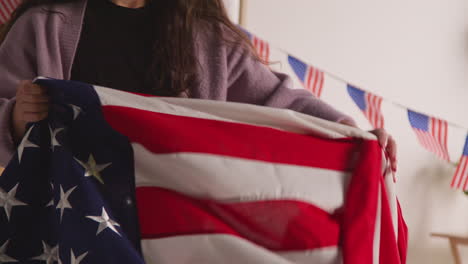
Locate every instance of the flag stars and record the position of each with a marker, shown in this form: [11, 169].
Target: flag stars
[8, 200]
[64, 203]
[51, 203]
[104, 222]
[93, 169]
[50, 254]
[25, 143]
[76, 111]
[4, 258]
[77, 260]
[53, 137]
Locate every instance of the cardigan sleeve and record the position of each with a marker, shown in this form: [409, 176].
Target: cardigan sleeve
[17, 62]
[251, 81]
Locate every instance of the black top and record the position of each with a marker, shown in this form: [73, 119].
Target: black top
[115, 51]
[115, 47]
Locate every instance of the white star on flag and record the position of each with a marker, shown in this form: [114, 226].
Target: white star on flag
[104, 222]
[8, 200]
[77, 260]
[53, 137]
[93, 169]
[51, 203]
[25, 143]
[49, 255]
[76, 111]
[3, 256]
[64, 203]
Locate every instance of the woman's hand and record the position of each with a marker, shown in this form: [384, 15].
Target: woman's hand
[32, 105]
[385, 140]
[388, 143]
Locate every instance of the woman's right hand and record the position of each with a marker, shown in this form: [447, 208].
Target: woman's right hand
[32, 105]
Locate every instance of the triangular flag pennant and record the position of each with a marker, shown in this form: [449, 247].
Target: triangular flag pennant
[431, 132]
[312, 78]
[262, 47]
[369, 104]
[460, 179]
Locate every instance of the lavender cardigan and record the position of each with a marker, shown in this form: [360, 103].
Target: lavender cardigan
[44, 43]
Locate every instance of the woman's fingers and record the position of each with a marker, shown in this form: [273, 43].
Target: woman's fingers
[34, 117]
[392, 151]
[30, 98]
[382, 136]
[28, 88]
[35, 108]
[388, 144]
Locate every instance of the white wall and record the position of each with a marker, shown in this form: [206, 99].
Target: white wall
[413, 52]
[233, 8]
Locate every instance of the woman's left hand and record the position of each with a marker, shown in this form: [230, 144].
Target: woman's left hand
[386, 141]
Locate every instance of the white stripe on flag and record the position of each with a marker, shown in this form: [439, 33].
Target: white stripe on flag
[232, 179]
[430, 143]
[378, 226]
[226, 249]
[233, 112]
[372, 112]
[439, 133]
[329, 255]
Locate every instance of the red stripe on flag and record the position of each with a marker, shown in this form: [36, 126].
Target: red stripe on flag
[461, 173]
[431, 143]
[464, 176]
[360, 210]
[310, 76]
[458, 175]
[322, 79]
[373, 112]
[4, 14]
[314, 81]
[262, 47]
[389, 251]
[267, 54]
[187, 134]
[315, 87]
[439, 129]
[277, 225]
[402, 235]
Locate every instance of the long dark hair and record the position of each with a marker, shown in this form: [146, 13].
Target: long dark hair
[174, 67]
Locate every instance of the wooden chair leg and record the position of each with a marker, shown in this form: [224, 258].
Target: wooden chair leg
[455, 253]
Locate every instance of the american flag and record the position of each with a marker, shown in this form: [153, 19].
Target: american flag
[431, 132]
[6, 8]
[312, 78]
[214, 182]
[261, 46]
[460, 179]
[369, 104]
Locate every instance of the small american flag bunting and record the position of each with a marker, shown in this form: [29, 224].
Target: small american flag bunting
[370, 105]
[261, 46]
[311, 77]
[431, 133]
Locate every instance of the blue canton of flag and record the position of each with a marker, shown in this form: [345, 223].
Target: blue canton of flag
[55, 199]
[431, 132]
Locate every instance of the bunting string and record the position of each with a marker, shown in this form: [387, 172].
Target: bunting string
[431, 132]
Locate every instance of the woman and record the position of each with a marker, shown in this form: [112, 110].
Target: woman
[163, 47]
